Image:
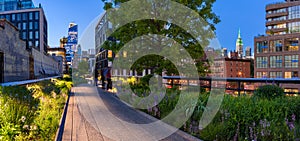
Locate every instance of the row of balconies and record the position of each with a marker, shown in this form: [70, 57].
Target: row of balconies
[279, 5]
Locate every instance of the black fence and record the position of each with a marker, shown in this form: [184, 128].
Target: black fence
[206, 82]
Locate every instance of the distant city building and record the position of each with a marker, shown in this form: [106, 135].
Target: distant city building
[224, 52]
[30, 21]
[234, 55]
[91, 52]
[229, 67]
[77, 57]
[71, 43]
[239, 45]
[103, 55]
[84, 53]
[63, 42]
[248, 52]
[277, 53]
[9, 5]
[58, 51]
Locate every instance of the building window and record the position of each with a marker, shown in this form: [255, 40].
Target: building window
[24, 26]
[7, 17]
[13, 17]
[276, 46]
[30, 16]
[292, 44]
[293, 74]
[30, 43]
[18, 17]
[261, 74]
[24, 16]
[36, 43]
[275, 74]
[291, 90]
[294, 12]
[36, 34]
[294, 27]
[277, 19]
[24, 35]
[30, 35]
[262, 47]
[275, 61]
[291, 61]
[19, 26]
[277, 11]
[36, 25]
[30, 25]
[262, 62]
[36, 15]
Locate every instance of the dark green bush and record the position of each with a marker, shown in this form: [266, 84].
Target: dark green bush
[269, 92]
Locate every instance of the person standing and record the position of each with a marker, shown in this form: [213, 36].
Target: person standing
[96, 77]
[103, 78]
[108, 78]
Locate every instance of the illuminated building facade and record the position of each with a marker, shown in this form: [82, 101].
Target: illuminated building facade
[277, 53]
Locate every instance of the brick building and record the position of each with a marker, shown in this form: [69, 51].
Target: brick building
[231, 67]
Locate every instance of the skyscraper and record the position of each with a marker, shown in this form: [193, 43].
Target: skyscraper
[30, 21]
[72, 42]
[277, 53]
[239, 45]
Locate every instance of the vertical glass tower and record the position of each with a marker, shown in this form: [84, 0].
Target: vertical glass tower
[72, 42]
[9, 5]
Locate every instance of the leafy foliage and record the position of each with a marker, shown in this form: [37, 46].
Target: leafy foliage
[157, 63]
[239, 118]
[269, 92]
[32, 112]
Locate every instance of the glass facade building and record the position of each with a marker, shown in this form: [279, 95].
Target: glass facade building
[30, 21]
[277, 52]
[71, 43]
[9, 5]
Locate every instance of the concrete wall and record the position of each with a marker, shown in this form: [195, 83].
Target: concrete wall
[16, 65]
[44, 65]
[16, 57]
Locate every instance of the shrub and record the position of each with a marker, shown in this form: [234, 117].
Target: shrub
[269, 92]
[32, 112]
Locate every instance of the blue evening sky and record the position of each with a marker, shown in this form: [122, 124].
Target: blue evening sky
[248, 15]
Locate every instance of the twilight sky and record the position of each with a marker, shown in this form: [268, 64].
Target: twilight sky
[248, 15]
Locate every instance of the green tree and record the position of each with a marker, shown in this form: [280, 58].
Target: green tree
[158, 63]
[83, 67]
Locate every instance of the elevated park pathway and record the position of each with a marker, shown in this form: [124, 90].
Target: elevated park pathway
[96, 115]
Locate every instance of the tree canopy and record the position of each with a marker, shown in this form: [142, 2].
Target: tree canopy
[138, 28]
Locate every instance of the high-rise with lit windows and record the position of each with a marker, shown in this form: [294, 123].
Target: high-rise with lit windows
[277, 52]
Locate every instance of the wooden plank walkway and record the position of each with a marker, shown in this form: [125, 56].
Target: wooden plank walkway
[94, 114]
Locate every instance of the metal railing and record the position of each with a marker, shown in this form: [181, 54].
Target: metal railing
[27, 81]
[238, 81]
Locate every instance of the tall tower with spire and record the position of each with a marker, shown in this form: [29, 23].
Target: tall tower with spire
[239, 45]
